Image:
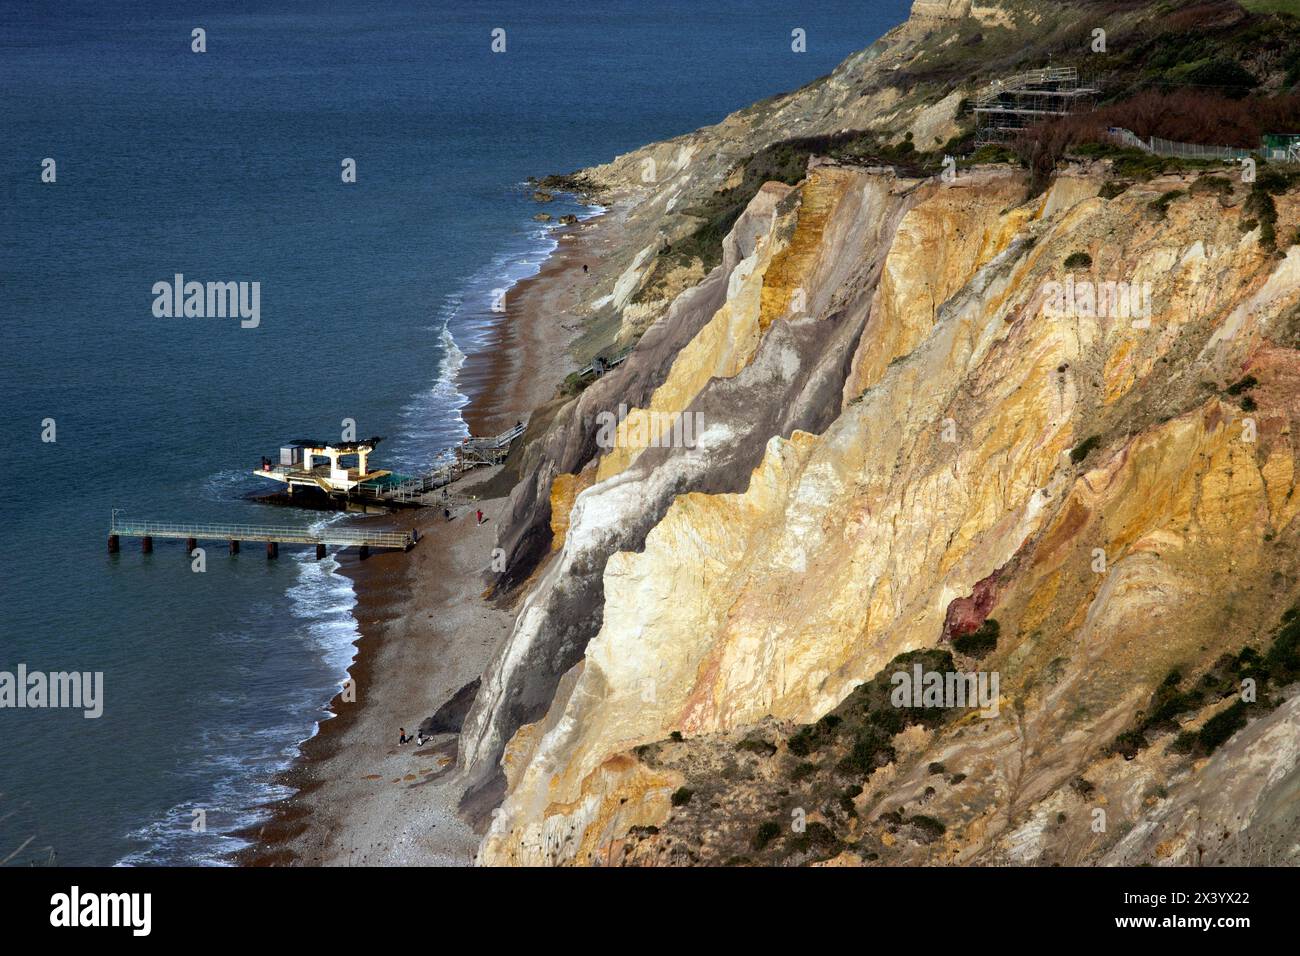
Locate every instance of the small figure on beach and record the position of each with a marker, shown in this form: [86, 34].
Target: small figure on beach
[420, 738]
[478, 514]
[446, 513]
[584, 268]
[403, 739]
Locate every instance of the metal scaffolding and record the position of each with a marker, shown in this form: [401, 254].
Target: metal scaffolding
[1009, 105]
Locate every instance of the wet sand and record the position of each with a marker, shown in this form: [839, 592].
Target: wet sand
[426, 629]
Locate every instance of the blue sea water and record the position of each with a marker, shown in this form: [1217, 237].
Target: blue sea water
[225, 166]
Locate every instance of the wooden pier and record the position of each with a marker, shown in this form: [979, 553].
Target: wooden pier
[273, 536]
[470, 453]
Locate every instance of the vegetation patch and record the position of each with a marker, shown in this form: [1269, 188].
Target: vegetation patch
[980, 641]
[1212, 185]
[1277, 667]
[1239, 391]
[1085, 448]
[1160, 206]
[757, 745]
[766, 833]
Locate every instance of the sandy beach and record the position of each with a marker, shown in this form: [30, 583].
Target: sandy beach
[426, 630]
[527, 354]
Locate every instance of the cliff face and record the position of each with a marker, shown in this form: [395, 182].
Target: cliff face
[889, 404]
[918, 439]
[662, 186]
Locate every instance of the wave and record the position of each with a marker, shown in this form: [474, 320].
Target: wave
[242, 757]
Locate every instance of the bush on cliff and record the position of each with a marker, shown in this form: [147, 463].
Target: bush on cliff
[980, 641]
[1082, 450]
[766, 833]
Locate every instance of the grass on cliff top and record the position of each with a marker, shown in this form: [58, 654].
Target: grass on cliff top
[783, 162]
[1216, 43]
[1291, 7]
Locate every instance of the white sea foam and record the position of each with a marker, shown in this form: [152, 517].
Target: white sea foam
[246, 759]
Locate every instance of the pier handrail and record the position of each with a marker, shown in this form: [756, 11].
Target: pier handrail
[343, 537]
[468, 454]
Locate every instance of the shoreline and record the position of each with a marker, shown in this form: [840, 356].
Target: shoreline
[424, 627]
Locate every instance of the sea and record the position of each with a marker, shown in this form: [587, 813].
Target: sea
[129, 156]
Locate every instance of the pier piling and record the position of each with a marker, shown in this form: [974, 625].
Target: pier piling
[273, 536]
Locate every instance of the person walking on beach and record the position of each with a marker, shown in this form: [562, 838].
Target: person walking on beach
[403, 739]
[446, 513]
[478, 514]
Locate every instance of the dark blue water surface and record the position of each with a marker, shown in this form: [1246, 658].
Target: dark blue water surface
[225, 166]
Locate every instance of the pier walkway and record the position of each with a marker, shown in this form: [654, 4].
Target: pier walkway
[471, 453]
[274, 536]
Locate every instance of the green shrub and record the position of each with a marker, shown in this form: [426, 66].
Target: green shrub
[816, 836]
[980, 641]
[1220, 727]
[1112, 188]
[1128, 744]
[1244, 385]
[1078, 260]
[1221, 71]
[1161, 206]
[847, 797]
[682, 796]
[767, 832]
[1217, 185]
[871, 749]
[930, 828]
[1260, 205]
[994, 154]
[757, 745]
[802, 771]
[1081, 451]
[574, 384]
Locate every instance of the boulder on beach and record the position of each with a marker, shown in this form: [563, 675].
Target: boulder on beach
[569, 220]
[543, 217]
[542, 195]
